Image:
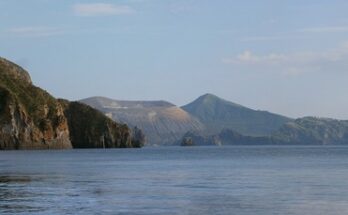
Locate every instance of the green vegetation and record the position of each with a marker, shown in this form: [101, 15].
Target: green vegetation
[36, 120]
[31, 98]
[90, 128]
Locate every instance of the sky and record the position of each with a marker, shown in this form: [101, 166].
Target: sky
[289, 57]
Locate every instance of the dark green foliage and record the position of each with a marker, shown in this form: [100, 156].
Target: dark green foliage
[90, 128]
[3, 98]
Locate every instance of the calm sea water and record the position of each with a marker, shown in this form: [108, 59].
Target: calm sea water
[197, 180]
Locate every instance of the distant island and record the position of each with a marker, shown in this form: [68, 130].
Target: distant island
[30, 118]
[232, 124]
[210, 120]
[302, 131]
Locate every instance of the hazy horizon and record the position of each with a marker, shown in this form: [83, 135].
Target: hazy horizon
[288, 57]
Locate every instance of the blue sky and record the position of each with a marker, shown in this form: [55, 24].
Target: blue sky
[288, 57]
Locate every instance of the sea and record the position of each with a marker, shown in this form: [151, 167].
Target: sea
[223, 180]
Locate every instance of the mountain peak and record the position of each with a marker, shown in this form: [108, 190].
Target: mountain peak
[209, 95]
[209, 99]
[217, 114]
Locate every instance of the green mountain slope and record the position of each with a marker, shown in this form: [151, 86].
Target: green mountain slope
[218, 114]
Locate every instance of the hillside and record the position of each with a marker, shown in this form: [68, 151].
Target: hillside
[30, 118]
[218, 114]
[313, 130]
[162, 122]
[302, 131]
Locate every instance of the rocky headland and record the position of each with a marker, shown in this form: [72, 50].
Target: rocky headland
[31, 118]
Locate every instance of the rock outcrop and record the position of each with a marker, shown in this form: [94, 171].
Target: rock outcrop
[138, 137]
[89, 128]
[30, 118]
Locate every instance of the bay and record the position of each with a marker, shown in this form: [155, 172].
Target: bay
[176, 180]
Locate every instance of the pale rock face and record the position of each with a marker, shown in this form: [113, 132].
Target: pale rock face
[162, 123]
[19, 132]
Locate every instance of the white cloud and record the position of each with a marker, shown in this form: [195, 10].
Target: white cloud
[101, 9]
[294, 63]
[35, 31]
[247, 57]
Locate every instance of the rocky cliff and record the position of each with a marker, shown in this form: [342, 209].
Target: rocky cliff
[30, 118]
[89, 128]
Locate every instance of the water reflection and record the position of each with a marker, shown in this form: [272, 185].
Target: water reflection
[15, 197]
[232, 180]
[14, 179]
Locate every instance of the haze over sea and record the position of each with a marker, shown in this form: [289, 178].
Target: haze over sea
[176, 180]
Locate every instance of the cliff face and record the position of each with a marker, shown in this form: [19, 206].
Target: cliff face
[89, 128]
[30, 118]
